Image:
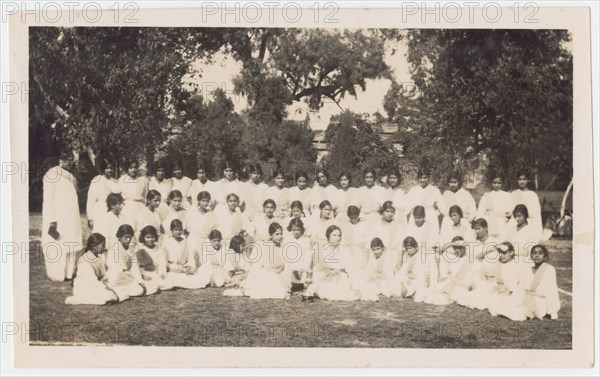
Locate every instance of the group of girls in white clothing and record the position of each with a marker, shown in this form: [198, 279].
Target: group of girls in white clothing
[328, 242]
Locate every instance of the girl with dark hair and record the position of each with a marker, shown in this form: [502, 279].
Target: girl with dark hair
[522, 234]
[333, 268]
[150, 215]
[528, 198]
[346, 194]
[160, 183]
[102, 185]
[322, 190]
[122, 267]
[153, 261]
[541, 293]
[456, 195]
[202, 183]
[253, 192]
[396, 195]
[133, 188]
[388, 228]
[320, 221]
[279, 194]
[301, 192]
[181, 263]
[200, 220]
[175, 211]
[427, 196]
[455, 225]
[182, 184]
[113, 217]
[496, 206]
[296, 249]
[418, 274]
[90, 285]
[378, 268]
[228, 184]
[266, 278]
[370, 196]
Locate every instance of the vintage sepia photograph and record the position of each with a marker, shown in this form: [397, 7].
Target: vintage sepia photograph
[296, 187]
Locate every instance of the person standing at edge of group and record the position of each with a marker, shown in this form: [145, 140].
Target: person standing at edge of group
[61, 222]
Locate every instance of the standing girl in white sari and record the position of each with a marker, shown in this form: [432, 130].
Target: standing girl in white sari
[279, 194]
[496, 206]
[159, 183]
[396, 195]
[456, 195]
[370, 196]
[253, 192]
[321, 191]
[229, 184]
[101, 185]
[202, 183]
[346, 195]
[133, 188]
[301, 191]
[181, 183]
[530, 200]
[429, 197]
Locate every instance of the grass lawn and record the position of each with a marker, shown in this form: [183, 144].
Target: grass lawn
[205, 318]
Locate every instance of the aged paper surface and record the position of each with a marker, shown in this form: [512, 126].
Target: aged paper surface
[575, 20]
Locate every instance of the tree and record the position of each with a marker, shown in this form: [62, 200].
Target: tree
[209, 132]
[282, 66]
[504, 93]
[112, 90]
[354, 144]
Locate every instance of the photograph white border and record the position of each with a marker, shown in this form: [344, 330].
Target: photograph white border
[576, 20]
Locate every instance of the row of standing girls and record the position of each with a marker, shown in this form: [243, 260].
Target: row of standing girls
[496, 206]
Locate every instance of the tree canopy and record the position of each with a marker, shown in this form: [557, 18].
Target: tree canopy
[504, 93]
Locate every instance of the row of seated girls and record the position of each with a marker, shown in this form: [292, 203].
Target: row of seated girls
[343, 258]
